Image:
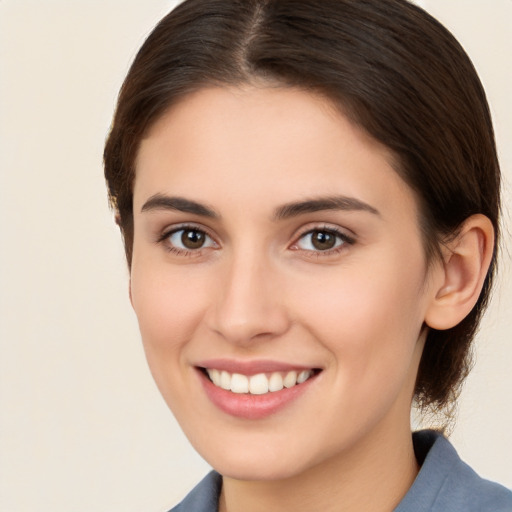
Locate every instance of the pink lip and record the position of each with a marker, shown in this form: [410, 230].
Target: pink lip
[252, 407]
[250, 367]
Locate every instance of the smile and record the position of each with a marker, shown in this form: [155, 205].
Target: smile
[254, 390]
[259, 384]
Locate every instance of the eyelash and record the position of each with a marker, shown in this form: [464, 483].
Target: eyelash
[164, 239]
[343, 239]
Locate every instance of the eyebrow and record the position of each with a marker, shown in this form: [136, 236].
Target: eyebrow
[323, 203]
[163, 202]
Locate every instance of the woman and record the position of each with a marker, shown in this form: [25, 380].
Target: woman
[309, 198]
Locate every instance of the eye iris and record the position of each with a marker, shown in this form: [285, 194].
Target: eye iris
[192, 239]
[323, 240]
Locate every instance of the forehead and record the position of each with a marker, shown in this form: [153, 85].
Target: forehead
[249, 141]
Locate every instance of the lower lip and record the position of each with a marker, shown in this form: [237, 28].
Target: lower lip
[252, 407]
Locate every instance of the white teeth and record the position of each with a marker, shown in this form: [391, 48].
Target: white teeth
[259, 384]
[276, 382]
[290, 380]
[215, 376]
[225, 381]
[303, 376]
[239, 383]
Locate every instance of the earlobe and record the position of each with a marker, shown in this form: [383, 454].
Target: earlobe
[466, 260]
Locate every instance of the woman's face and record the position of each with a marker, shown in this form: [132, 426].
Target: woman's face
[275, 247]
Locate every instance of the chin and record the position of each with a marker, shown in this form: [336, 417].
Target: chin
[257, 461]
[250, 470]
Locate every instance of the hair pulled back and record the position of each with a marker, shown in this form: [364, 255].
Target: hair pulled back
[388, 65]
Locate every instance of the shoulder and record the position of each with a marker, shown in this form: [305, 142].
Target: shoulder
[204, 497]
[445, 482]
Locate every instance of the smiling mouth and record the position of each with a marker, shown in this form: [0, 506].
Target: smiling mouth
[259, 384]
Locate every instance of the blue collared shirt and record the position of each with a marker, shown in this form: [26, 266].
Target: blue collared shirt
[444, 484]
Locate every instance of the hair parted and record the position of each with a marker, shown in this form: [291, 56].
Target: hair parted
[386, 64]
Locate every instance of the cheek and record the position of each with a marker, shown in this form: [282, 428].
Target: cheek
[368, 316]
[169, 309]
[165, 299]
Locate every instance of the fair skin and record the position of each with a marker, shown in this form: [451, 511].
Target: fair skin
[272, 236]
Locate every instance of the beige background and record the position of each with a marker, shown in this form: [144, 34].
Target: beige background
[82, 427]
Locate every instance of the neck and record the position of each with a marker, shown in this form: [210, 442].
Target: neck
[374, 476]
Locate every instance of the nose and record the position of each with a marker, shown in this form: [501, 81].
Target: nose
[250, 302]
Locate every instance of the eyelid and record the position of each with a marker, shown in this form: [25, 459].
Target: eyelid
[347, 237]
[166, 233]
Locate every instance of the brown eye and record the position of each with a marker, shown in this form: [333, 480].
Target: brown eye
[189, 239]
[322, 240]
[192, 238]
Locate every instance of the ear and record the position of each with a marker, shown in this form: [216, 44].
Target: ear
[461, 274]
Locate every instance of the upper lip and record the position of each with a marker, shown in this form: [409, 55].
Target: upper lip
[251, 367]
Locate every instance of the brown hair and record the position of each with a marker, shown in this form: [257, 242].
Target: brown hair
[392, 68]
